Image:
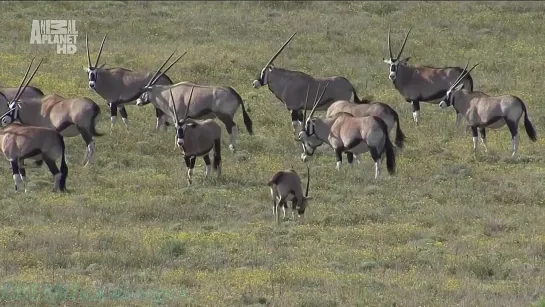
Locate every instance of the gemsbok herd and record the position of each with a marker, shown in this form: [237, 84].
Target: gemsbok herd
[35, 124]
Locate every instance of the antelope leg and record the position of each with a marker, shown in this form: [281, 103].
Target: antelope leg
[377, 158]
[482, 131]
[208, 165]
[416, 111]
[55, 172]
[113, 114]
[350, 158]
[514, 136]
[339, 156]
[475, 133]
[16, 175]
[187, 160]
[124, 115]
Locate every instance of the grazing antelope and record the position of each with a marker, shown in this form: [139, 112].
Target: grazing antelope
[378, 109]
[120, 86]
[482, 111]
[197, 139]
[19, 142]
[209, 102]
[419, 83]
[346, 133]
[289, 85]
[287, 186]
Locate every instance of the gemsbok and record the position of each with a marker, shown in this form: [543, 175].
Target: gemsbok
[482, 111]
[289, 86]
[197, 139]
[419, 83]
[346, 133]
[209, 102]
[120, 86]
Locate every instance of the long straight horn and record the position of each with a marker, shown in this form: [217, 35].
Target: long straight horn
[28, 82]
[100, 50]
[308, 180]
[318, 100]
[389, 43]
[403, 46]
[188, 103]
[87, 47]
[306, 102]
[159, 70]
[173, 106]
[458, 79]
[467, 73]
[280, 50]
[24, 78]
[170, 66]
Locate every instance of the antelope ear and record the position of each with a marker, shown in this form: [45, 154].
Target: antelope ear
[85, 68]
[192, 125]
[101, 66]
[387, 61]
[405, 60]
[310, 197]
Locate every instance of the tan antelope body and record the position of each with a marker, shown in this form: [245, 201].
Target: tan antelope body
[120, 86]
[346, 133]
[208, 102]
[197, 139]
[287, 186]
[378, 109]
[289, 87]
[419, 83]
[69, 116]
[19, 142]
[482, 111]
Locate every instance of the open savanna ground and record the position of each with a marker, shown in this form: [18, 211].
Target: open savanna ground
[448, 229]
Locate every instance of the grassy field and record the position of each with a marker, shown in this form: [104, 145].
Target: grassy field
[448, 229]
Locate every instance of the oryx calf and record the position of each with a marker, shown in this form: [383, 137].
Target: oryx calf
[289, 85]
[287, 186]
[346, 133]
[197, 139]
[482, 111]
[120, 86]
[419, 83]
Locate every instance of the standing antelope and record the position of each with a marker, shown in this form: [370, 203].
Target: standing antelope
[482, 111]
[418, 83]
[287, 186]
[209, 102]
[288, 86]
[346, 133]
[378, 109]
[197, 139]
[19, 142]
[120, 86]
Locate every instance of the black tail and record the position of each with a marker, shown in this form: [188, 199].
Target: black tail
[357, 100]
[527, 124]
[217, 154]
[247, 120]
[64, 167]
[96, 113]
[388, 147]
[400, 137]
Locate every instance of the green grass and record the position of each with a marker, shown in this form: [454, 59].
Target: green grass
[449, 229]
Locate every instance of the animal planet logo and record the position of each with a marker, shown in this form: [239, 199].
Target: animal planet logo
[62, 33]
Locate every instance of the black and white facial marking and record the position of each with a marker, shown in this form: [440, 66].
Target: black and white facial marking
[180, 135]
[448, 100]
[144, 99]
[92, 74]
[394, 67]
[9, 117]
[262, 79]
